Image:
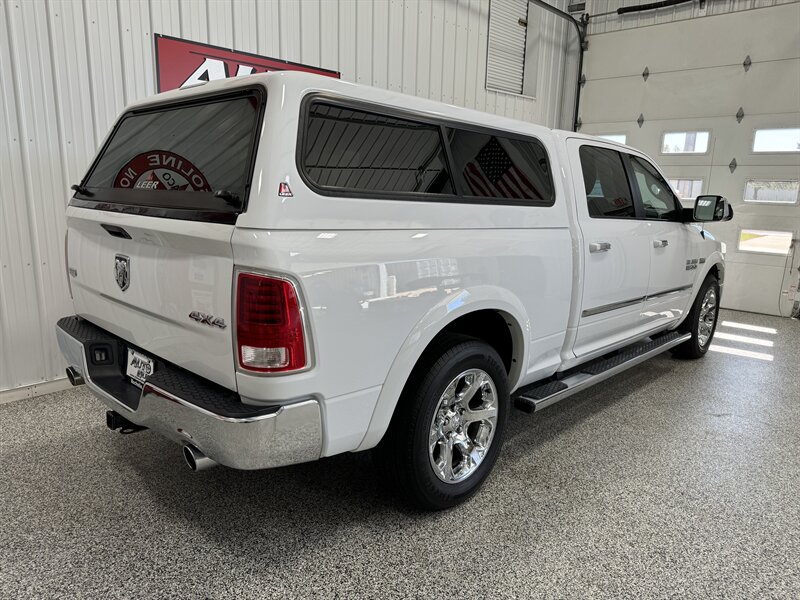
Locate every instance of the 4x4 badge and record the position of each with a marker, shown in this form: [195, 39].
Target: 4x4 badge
[208, 319]
[122, 271]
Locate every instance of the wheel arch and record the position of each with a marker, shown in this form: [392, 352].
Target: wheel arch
[715, 264]
[475, 313]
[718, 270]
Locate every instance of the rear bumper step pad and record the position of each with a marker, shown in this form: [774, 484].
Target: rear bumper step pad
[174, 380]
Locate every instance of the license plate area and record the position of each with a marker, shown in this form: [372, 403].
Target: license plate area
[139, 367]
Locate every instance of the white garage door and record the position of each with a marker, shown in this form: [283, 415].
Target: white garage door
[696, 84]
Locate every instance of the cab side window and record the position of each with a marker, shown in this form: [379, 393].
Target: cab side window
[608, 194]
[657, 197]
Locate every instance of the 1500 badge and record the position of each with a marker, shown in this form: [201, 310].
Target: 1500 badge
[208, 319]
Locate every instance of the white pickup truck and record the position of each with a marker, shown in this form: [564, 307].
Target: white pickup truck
[282, 267]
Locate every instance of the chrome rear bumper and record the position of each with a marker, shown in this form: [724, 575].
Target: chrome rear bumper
[271, 436]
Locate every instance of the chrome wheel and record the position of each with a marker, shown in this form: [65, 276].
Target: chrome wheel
[707, 317]
[463, 426]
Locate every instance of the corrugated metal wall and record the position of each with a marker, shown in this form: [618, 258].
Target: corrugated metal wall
[678, 12]
[68, 67]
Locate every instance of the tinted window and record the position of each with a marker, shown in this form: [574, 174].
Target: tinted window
[197, 148]
[349, 149]
[657, 197]
[492, 166]
[606, 184]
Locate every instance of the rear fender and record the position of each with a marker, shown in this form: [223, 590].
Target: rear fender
[432, 323]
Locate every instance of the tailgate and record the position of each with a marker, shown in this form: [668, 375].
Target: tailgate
[149, 229]
[144, 288]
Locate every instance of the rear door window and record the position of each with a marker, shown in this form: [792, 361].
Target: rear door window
[495, 166]
[608, 194]
[350, 150]
[178, 156]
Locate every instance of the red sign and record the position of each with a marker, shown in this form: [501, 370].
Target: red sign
[181, 63]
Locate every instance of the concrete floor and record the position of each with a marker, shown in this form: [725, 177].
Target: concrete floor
[673, 479]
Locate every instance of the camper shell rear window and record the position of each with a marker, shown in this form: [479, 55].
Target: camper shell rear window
[190, 160]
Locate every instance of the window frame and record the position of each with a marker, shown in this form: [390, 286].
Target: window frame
[666, 131]
[458, 197]
[142, 203]
[770, 202]
[638, 208]
[638, 194]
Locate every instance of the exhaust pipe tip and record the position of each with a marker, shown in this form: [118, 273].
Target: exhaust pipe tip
[75, 378]
[196, 460]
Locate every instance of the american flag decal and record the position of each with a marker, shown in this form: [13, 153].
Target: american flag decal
[493, 174]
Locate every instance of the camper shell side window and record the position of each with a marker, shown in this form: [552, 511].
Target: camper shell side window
[356, 149]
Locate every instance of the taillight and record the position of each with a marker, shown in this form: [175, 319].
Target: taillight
[269, 324]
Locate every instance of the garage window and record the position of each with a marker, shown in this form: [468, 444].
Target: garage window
[777, 140]
[765, 242]
[620, 138]
[687, 189]
[772, 191]
[685, 142]
[354, 150]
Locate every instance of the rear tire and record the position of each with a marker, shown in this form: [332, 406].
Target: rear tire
[701, 321]
[448, 426]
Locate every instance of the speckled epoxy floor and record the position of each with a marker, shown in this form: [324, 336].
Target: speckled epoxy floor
[673, 479]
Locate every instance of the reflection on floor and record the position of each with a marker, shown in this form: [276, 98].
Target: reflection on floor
[674, 478]
[744, 341]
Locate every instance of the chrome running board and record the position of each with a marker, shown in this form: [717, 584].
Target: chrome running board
[540, 395]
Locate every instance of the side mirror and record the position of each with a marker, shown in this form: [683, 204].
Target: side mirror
[712, 208]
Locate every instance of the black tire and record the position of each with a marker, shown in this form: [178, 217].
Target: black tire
[694, 348]
[404, 454]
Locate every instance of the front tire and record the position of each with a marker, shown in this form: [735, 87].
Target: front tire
[701, 321]
[448, 426]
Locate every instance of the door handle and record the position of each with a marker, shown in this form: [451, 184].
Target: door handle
[599, 247]
[660, 243]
